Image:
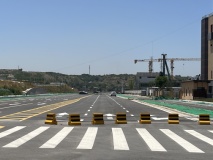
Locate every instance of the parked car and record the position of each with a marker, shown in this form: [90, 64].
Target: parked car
[113, 93]
[83, 92]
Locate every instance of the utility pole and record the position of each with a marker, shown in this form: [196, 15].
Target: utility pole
[122, 88]
[89, 69]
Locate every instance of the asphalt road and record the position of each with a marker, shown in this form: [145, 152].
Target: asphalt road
[23, 134]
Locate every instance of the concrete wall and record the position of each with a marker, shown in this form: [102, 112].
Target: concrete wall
[38, 90]
[134, 92]
[188, 87]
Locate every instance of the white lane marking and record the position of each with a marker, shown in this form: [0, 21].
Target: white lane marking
[26, 138]
[200, 136]
[127, 111]
[156, 118]
[10, 131]
[55, 140]
[109, 115]
[192, 119]
[40, 104]
[119, 139]
[90, 107]
[85, 114]
[82, 120]
[95, 100]
[182, 142]
[153, 144]
[88, 140]
[63, 114]
[132, 115]
[124, 108]
[88, 110]
[211, 131]
[16, 106]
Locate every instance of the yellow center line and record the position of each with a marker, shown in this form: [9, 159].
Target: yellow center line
[1, 127]
[23, 115]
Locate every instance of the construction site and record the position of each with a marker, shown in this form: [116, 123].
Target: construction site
[164, 66]
[200, 86]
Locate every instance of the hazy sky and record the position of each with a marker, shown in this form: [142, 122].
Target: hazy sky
[68, 36]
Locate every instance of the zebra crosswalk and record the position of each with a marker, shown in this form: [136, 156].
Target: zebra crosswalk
[55, 140]
[153, 144]
[88, 139]
[119, 139]
[191, 141]
[182, 142]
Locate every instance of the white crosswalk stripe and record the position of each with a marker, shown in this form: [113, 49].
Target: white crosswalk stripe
[117, 136]
[182, 142]
[119, 139]
[153, 144]
[211, 131]
[89, 138]
[26, 138]
[55, 140]
[200, 136]
[10, 131]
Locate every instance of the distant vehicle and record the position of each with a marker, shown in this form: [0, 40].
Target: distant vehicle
[96, 91]
[83, 92]
[113, 93]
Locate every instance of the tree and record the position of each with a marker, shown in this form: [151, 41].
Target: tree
[161, 81]
[131, 84]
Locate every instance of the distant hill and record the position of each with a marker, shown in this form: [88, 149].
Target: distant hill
[57, 82]
[77, 82]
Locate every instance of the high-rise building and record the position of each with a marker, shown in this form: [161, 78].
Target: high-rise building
[207, 47]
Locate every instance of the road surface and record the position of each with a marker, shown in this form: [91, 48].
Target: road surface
[23, 134]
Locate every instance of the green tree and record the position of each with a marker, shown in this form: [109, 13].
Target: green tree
[131, 84]
[161, 81]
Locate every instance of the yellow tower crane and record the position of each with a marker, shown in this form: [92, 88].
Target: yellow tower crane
[167, 59]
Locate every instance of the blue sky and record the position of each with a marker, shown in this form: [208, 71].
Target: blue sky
[68, 36]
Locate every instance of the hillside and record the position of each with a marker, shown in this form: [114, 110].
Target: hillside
[8, 87]
[57, 82]
[71, 82]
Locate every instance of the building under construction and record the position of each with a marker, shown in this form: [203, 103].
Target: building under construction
[207, 47]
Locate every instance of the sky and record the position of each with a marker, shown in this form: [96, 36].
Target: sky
[71, 36]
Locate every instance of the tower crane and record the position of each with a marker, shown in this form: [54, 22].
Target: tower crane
[166, 59]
